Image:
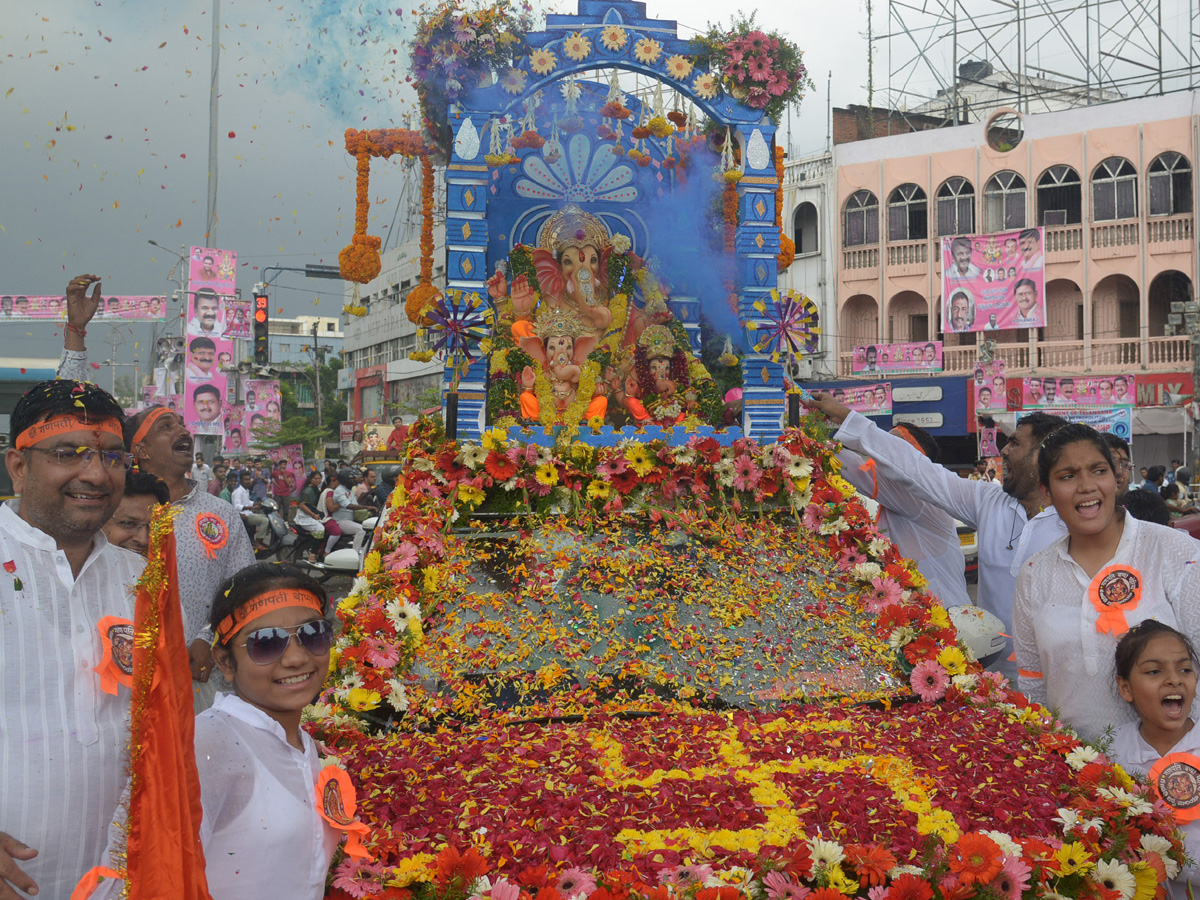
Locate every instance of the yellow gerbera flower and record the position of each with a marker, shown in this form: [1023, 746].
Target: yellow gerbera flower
[362, 700]
[599, 490]
[1072, 858]
[471, 495]
[953, 660]
[494, 438]
[547, 474]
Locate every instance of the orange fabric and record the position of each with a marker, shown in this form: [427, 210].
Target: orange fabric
[337, 802]
[64, 424]
[164, 857]
[1176, 779]
[147, 424]
[598, 407]
[870, 467]
[1115, 590]
[638, 410]
[905, 435]
[522, 328]
[1026, 673]
[286, 598]
[89, 882]
[530, 408]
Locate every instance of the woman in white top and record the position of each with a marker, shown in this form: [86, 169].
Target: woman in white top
[1077, 597]
[263, 831]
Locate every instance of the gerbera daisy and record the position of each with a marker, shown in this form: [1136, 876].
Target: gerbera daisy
[745, 473]
[547, 474]
[929, 681]
[1115, 876]
[975, 858]
[513, 81]
[953, 660]
[780, 887]
[825, 853]
[760, 68]
[576, 46]
[403, 557]
[357, 878]
[647, 50]
[910, 887]
[705, 86]
[472, 456]
[614, 37]
[679, 67]
[850, 558]
[813, 517]
[504, 889]
[543, 62]
[724, 472]
[870, 862]
[576, 881]
[755, 41]
[883, 592]
[500, 466]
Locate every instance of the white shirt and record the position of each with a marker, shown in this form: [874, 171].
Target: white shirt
[262, 833]
[343, 498]
[1005, 535]
[921, 532]
[202, 475]
[62, 740]
[1133, 754]
[241, 499]
[1055, 621]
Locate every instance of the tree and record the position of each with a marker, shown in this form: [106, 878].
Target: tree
[293, 430]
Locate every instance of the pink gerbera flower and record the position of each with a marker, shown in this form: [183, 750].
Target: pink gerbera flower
[760, 68]
[851, 558]
[504, 889]
[814, 517]
[780, 887]
[383, 654]
[614, 465]
[746, 473]
[403, 557]
[1013, 879]
[358, 879]
[576, 881]
[929, 680]
[883, 592]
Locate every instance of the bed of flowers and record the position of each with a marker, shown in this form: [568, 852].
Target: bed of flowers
[694, 672]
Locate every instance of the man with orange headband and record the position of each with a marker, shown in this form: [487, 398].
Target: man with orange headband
[66, 596]
[211, 543]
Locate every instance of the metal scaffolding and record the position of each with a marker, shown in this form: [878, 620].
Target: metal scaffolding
[962, 59]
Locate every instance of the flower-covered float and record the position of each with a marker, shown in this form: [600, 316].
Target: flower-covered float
[697, 671]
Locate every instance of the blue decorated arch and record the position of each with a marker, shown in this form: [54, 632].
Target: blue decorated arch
[490, 209]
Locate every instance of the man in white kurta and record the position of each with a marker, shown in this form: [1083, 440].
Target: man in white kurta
[62, 737]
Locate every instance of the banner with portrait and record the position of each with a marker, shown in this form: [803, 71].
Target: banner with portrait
[989, 387]
[1118, 422]
[132, 308]
[262, 406]
[293, 458]
[898, 359]
[204, 401]
[212, 289]
[869, 399]
[992, 282]
[1066, 392]
[237, 441]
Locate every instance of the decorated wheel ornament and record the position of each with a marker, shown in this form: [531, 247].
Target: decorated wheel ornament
[462, 326]
[791, 328]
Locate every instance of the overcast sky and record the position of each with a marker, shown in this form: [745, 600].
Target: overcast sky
[104, 134]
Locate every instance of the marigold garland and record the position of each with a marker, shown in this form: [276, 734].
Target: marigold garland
[731, 215]
[420, 296]
[787, 247]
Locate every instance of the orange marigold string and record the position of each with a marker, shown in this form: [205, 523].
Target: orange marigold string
[359, 260]
[424, 292]
[787, 247]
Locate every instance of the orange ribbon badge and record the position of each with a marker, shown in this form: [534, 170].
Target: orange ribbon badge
[1114, 591]
[116, 654]
[337, 803]
[1176, 778]
[212, 531]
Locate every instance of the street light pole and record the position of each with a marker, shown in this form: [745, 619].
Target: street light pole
[317, 371]
[179, 293]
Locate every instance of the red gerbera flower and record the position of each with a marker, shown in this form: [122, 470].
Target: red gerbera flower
[909, 887]
[976, 859]
[500, 466]
[455, 870]
[535, 877]
[826, 893]
[870, 862]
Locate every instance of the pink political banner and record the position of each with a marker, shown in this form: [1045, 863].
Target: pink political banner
[293, 458]
[124, 308]
[237, 440]
[989, 387]
[868, 399]
[213, 269]
[993, 282]
[897, 359]
[1067, 392]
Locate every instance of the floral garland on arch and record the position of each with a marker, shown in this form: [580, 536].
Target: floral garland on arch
[966, 791]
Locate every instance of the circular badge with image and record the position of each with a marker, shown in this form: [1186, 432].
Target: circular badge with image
[1176, 778]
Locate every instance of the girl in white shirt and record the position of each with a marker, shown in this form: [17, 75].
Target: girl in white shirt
[1156, 674]
[1076, 598]
[263, 831]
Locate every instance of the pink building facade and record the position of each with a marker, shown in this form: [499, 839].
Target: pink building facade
[1113, 185]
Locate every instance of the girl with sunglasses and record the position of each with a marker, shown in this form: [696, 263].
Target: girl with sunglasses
[262, 832]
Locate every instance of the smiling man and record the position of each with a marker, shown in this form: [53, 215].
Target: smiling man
[211, 543]
[63, 589]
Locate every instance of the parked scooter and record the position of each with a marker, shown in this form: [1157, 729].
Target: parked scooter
[281, 534]
[341, 560]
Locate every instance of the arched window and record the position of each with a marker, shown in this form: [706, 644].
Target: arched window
[908, 214]
[804, 229]
[1114, 190]
[862, 219]
[1059, 197]
[1004, 202]
[956, 207]
[1169, 184]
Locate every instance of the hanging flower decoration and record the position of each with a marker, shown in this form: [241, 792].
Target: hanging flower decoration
[761, 69]
[705, 86]
[791, 328]
[787, 247]
[614, 37]
[679, 67]
[360, 261]
[420, 296]
[513, 81]
[647, 50]
[461, 325]
[730, 213]
[542, 62]
[577, 47]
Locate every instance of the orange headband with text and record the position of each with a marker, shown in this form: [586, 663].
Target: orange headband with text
[263, 604]
[147, 424]
[64, 424]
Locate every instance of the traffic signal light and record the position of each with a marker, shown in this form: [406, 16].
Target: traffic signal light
[262, 343]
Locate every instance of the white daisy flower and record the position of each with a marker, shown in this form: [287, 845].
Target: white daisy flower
[1081, 756]
[825, 853]
[1116, 877]
[1007, 845]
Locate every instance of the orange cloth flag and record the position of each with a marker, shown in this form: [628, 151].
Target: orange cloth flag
[163, 855]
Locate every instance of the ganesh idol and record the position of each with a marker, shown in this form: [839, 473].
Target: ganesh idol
[560, 343]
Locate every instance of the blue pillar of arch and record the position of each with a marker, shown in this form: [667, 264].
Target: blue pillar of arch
[467, 180]
[756, 274]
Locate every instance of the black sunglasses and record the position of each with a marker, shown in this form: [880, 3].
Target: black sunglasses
[265, 645]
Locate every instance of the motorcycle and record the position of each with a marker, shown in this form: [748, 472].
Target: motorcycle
[341, 560]
[282, 535]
